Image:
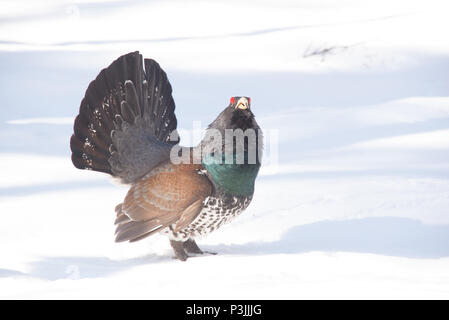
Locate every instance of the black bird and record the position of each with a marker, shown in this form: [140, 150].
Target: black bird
[126, 127]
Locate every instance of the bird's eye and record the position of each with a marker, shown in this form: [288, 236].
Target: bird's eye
[232, 100]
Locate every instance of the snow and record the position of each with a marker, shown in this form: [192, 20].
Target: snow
[63, 120]
[355, 205]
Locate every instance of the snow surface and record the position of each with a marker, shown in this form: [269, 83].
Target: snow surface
[356, 93]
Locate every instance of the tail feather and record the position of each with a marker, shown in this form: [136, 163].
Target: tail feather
[125, 119]
[159, 90]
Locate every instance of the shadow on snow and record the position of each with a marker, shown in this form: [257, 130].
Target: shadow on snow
[390, 236]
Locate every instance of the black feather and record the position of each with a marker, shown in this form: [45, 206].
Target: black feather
[122, 109]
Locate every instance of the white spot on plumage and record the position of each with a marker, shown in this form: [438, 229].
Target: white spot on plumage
[216, 212]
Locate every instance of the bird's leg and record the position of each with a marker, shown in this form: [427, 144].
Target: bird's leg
[191, 247]
[178, 248]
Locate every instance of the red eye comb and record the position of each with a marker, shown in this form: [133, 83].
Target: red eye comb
[249, 100]
[232, 100]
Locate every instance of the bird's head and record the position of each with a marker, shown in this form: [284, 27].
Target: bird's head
[242, 116]
[237, 119]
[241, 103]
[237, 115]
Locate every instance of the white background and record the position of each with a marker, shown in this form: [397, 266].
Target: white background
[358, 206]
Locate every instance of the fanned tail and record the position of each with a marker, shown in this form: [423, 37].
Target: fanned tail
[125, 120]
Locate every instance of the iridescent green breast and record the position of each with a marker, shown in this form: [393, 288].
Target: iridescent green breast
[235, 179]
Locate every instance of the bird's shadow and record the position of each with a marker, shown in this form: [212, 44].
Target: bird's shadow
[401, 237]
[391, 236]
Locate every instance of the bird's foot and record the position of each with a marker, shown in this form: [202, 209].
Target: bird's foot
[186, 249]
[178, 248]
[190, 246]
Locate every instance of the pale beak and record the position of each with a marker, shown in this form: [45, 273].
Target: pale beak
[242, 104]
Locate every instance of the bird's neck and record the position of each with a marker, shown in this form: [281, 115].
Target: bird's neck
[235, 179]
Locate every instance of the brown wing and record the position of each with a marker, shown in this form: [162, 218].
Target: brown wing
[169, 194]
